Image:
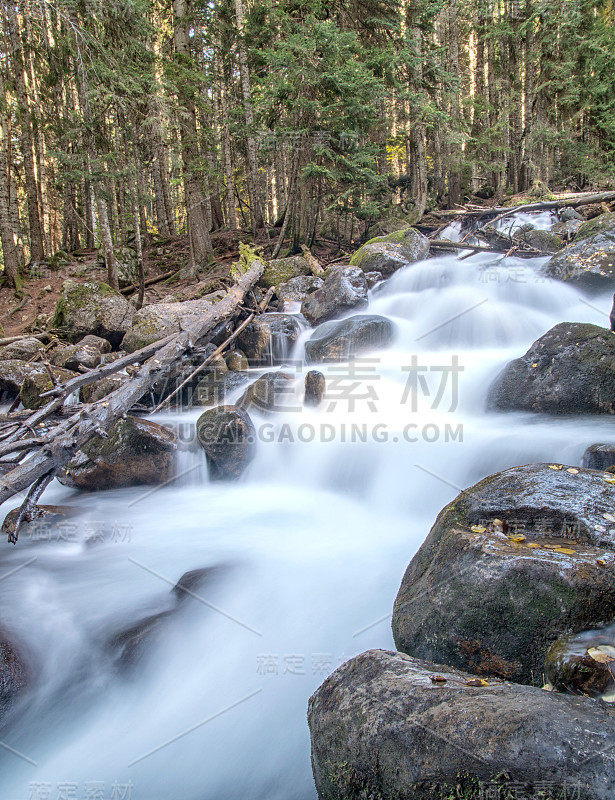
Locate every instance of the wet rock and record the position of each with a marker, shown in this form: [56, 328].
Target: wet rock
[127, 266]
[382, 728]
[273, 391]
[158, 320]
[545, 241]
[570, 215]
[216, 387]
[13, 373]
[348, 338]
[35, 383]
[23, 350]
[227, 435]
[136, 452]
[590, 259]
[236, 361]
[513, 563]
[282, 270]
[100, 389]
[13, 673]
[344, 288]
[571, 369]
[599, 456]
[92, 308]
[386, 254]
[568, 229]
[296, 290]
[583, 663]
[315, 387]
[268, 340]
[102, 345]
[373, 278]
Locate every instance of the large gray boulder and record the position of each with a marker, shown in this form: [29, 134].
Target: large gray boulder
[23, 350]
[296, 290]
[282, 270]
[599, 456]
[590, 259]
[92, 308]
[13, 373]
[344, 289]
[348, 338]
[390, 727]
[513, 563]
[158, 320]
[37, 382]
[386, 254]
[227, 435]
[571, 369]
[136, 452]
[269, 338]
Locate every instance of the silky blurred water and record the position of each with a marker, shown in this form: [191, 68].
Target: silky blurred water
[312, 541]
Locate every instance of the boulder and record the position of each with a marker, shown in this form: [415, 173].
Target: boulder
[136, 452]
[96, 391]
[271, 392]
[158, 320]
[236, 361]
[282, 270]
[373, 278]
[568, 229]
[13, 373]
[599, 456]
[269, 338]
[391, 727]
[590, 259]
[392, 220]
[127, 266]
[386, 254]
[227, 435]
[344, 289]
[23, 350]
[583, 663]
[92, 308]
[102, 345]
[612, 315]
[545, 241]
[296, 290]
[513, 563]
[35, 383]
[349, 338]
[13, 673]
[74, 356]
[570, 215]
[315, 388]
[569, 370]
[215, 387]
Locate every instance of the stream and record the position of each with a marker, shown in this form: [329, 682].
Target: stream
[311, 545]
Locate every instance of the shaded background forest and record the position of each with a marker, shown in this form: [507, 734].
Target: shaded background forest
[123, 119]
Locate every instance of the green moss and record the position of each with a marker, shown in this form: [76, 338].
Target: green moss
[605, 223]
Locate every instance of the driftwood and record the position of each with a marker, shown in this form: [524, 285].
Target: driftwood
[549, 205]
[11, 339]
[95, 419]
[525, 251]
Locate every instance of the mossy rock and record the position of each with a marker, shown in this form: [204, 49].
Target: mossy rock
[38, 382]
[386, 254]
[92, 308]
[545, 241]
[605, 224]
[282, 270]
[513, 563]
[227, 435]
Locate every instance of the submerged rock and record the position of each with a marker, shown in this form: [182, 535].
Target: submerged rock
[93, 308]
[583, 663]
[13, 673]
[349, 338]
[344, 288]
[571, 369]
[236, 361]
[513, 563]
[136, 452]
[216, 386]
[386, 254]
[271, 392]
[269, 338]
[227, 435]
[391, 727]
[315, 388]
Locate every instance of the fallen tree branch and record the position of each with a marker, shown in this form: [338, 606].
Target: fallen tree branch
[149, 282]
[96, 417]
[11, 339]
[574, 202]
[443, 244]
[28, 510]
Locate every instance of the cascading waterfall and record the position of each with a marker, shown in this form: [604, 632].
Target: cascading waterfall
[313, 541]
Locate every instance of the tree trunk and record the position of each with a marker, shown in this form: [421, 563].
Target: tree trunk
[9, 250]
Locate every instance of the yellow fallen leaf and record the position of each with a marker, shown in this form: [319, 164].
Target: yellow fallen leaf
[609, 479]
[478, 528]
[602, 562]
[565, 550]
[519, 538]
[556, 466]
[608, 698]
[437, 679]
[599, 655]
[609, 517]
[477, 682]
[533, 545]
[573, 471]
[534, 366]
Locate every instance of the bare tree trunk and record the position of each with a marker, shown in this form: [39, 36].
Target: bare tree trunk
[417, 150]
[454, 170]
[252, 178]
[9, 250]
[198, 228]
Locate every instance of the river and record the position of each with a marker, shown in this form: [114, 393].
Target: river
[311, 543]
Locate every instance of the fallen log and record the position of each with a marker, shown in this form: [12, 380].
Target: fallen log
[97, 418]
[149, 282]
[11, 339]
[444, 244]
[575, 201]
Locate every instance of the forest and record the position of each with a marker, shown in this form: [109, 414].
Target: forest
[128, 119]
